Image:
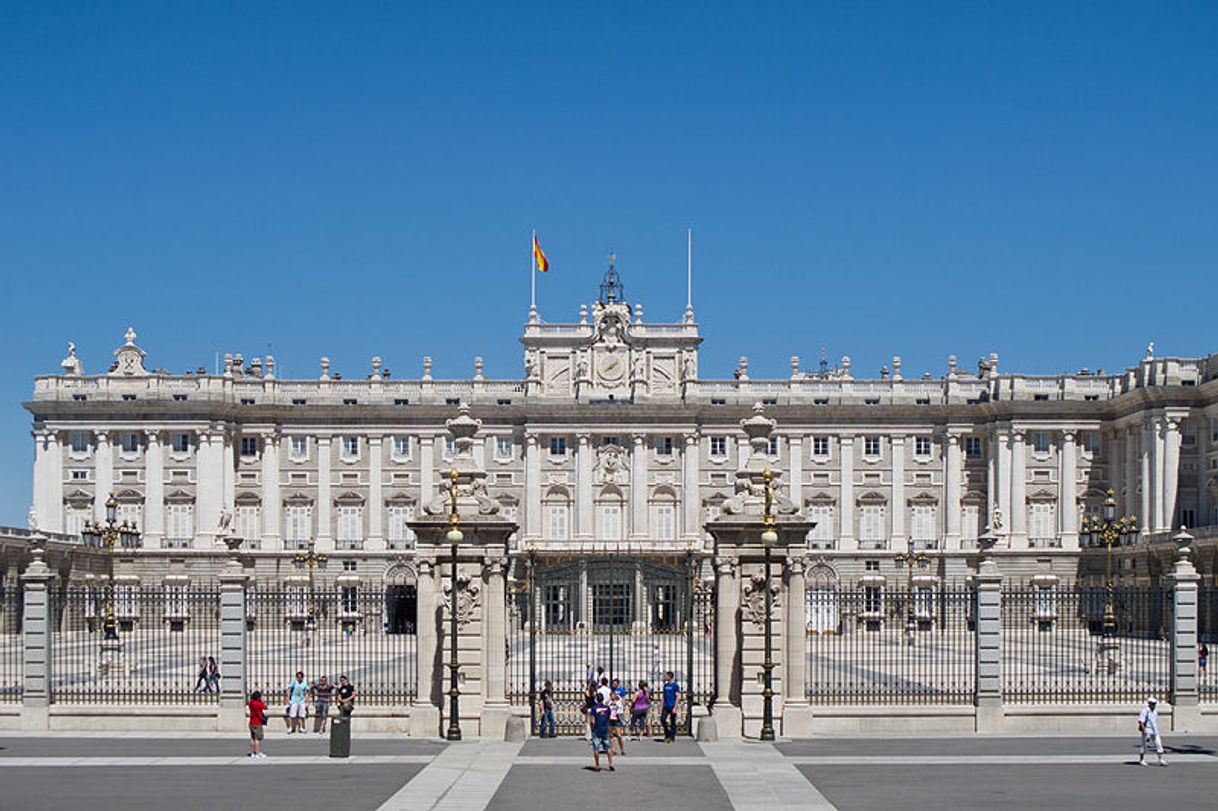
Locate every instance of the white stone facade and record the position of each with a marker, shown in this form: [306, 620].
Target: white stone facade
[612, 440]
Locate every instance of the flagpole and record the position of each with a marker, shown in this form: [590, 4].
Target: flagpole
[689, 275]
[533, 275]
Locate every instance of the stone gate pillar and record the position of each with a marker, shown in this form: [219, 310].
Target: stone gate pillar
[479, 588]
[36, 634]
[232, 646]
[987, 629]
[1186, 714]
[741, 555]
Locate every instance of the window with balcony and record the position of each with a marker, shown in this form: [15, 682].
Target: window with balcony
[350, 527]
[397, 525]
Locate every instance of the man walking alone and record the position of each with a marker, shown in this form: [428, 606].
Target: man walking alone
[1148, 725]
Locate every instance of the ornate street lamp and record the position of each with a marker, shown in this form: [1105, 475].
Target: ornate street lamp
[769, 537]
[311, 559]
[454, 537]
[1107, 531]
[909, 559]
[104, 536]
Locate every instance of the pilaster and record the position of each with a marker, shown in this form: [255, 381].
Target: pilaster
[154, 490]
[532, 487]
[325, 501]
[103, 472]
[847, 541]
[691, 496]
[583, 487]
[1019, 490]
[376, 496]
[272, 501]
[898, 490]
[1068, 491]
[953, 476]
[638, 487]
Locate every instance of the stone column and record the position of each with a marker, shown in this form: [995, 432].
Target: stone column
[230, 439]
[103, 474]
[425, 713]
[796, 713]
[1114, 454]
[48, 480]
[1186, 714]
[988, 642]
[846, 500]
[1019, 487]
[1171, 470]
[795, 483]
[1158, 475]
[36, 640]
[583, 487]
[495, 709]
[376, 496]
[210, 488]
[1067, 495]
[898, 491]
[427, 470]
[232, 648]
[272, 501]
[1146, 519]
[953, 475]
[1004, 462]
[325, 502]
[532, 487]
[154, 490]
[726, 709]
[638, 487]
[1131, 474]
[991, 480]
[691, 496]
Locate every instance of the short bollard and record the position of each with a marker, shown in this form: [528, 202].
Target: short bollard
[340, 737]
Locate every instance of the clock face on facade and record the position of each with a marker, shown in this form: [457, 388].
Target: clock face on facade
[612, 366]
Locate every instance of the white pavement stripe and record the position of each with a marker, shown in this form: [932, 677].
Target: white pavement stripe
[618, 761]
[987, 760]
[757, 777]
[204, 760]
[464, 776]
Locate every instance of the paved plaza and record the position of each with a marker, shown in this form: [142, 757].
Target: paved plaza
[209, 771]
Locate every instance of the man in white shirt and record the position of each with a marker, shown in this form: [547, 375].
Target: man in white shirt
[1148, 725]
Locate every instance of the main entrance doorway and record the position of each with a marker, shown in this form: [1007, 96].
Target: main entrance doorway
[636, 617]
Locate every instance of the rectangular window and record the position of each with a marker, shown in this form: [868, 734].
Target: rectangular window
[1091, 442]
[80, 442]
[922, 446]
[74, 519]
[130, 443]
[350, 447]
[821, 534]
[558, 446]
[666, 524]
[1042, 529]
[611, 440]
[249, 446]
[503, 447]
[401, 447]
[350, 527]
[1040, 442]
[397, 520]
[871, 523]
[298, 448]
[820, 446]
[350, 597]
[1188, 518]
[248, 527]
[611, 522]
[131, 513]
[299, 527]
[179, 525]
[772, 448]
[922, 523]
[871, 446]
[180, 443]
[556, 519]
[80, 475]
[664, 446]
[972, 447]
[718, 446]
[970, 527]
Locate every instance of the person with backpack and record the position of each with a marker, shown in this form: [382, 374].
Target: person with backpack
[255, 709]
[547, 711]
[640, 704]
[598, 719]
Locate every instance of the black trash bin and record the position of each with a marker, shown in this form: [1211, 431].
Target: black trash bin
[340, 737]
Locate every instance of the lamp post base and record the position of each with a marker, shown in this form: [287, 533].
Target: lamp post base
[110, 660]
[1108, 655]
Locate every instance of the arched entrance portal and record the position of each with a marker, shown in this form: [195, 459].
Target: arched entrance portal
[401, 600]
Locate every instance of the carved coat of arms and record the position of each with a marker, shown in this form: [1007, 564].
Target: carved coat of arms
[611, 465]
[467, 598]
[754, 597]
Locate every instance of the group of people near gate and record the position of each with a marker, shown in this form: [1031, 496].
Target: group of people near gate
[300, 693]
[614, 709]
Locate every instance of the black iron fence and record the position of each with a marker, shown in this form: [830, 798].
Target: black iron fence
[363, 634]
[164, 641]
[1207, 638]
[11, 644]
[1056, 649]
[879, 645]
[637, 622]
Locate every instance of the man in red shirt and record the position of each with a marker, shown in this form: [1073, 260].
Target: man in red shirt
[256, 710]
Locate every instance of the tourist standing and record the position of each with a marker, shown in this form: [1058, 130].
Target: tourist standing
[298, 691]
[668, 712]
[547, 711]
[1203, 659]
[213, 675]
[656, 663]
[346, 697]
[255, 710]
[590, 698]
[201, 683]
[603, 691]
[617, 712]
[639, 706]
[1148, 726]
[323, 694]
[599, 720]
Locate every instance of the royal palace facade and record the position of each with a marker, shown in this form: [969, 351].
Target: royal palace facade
[612, 442]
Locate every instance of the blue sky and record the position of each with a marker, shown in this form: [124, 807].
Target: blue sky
[875, 178]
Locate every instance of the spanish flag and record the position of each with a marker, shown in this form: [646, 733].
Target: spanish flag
[539, 256]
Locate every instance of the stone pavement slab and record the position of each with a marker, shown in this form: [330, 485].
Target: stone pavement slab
[635, 785]
[757, 777]
[464, 776]
[578, 747]
[187, 745]
[984, 745]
